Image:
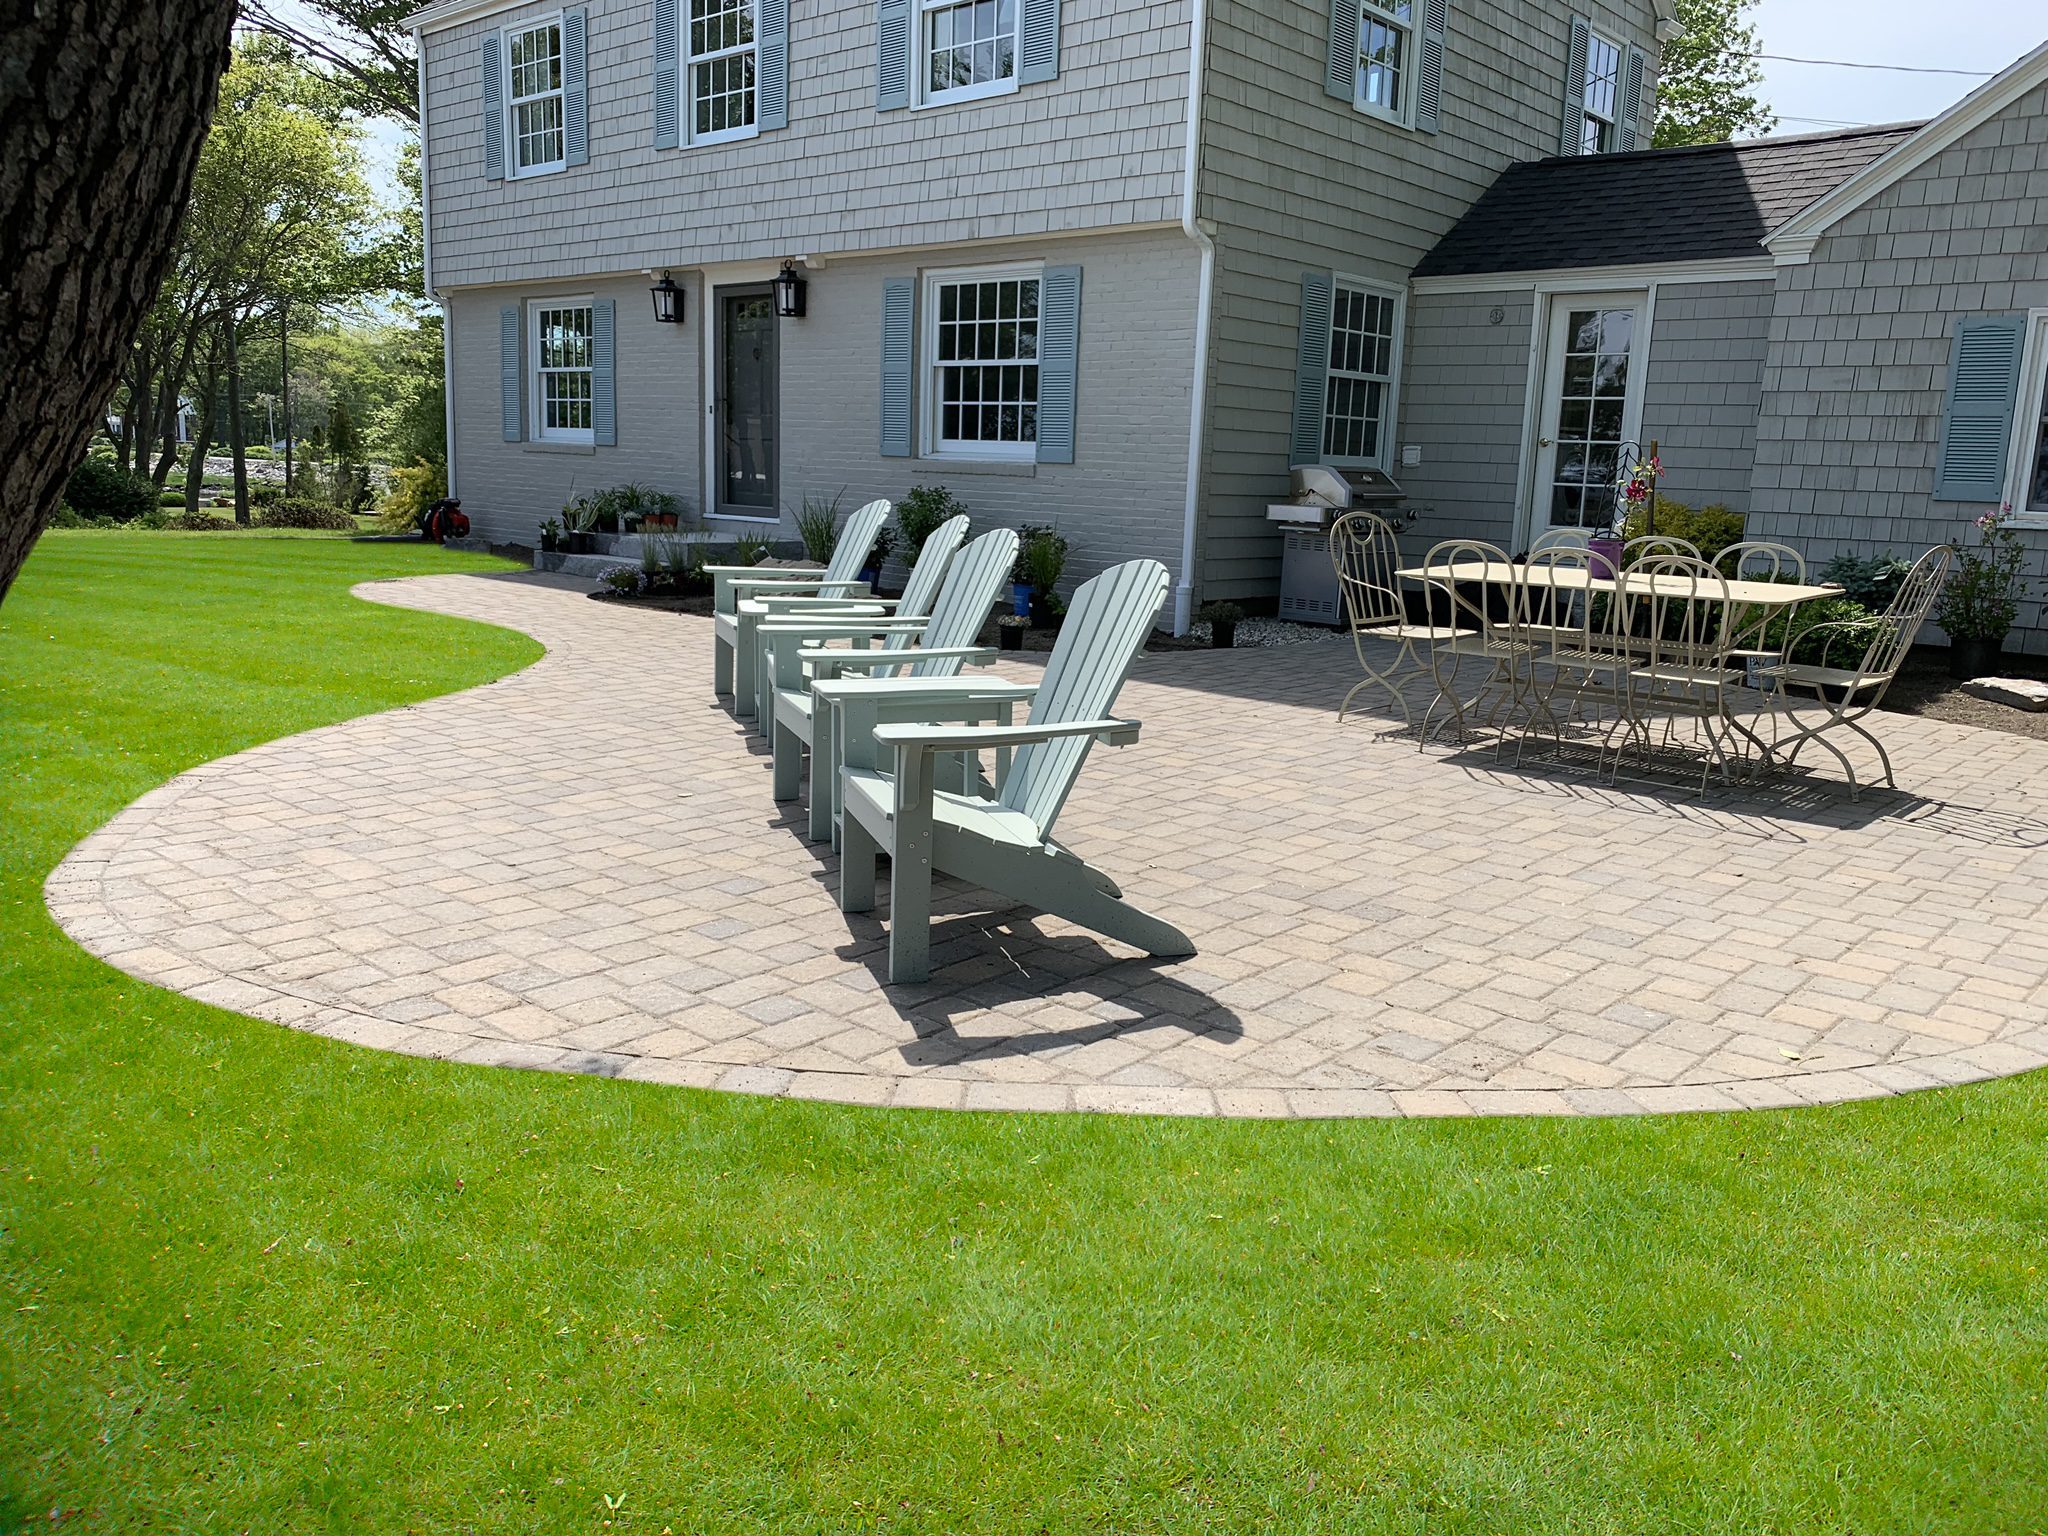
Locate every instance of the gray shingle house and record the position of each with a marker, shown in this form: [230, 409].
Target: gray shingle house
[1118, 266]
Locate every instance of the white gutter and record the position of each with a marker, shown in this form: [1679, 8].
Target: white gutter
[419, 48]
[1198, 395]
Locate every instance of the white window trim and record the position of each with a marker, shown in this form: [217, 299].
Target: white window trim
[923, 96]
[1411, 61]
[1390, 408]
[928, 364]
[686, 83]
[513, 170]
[537, 402]
[1612, 121]
[2033, 398]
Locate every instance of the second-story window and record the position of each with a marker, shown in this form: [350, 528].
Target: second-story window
[1364, 325]
[968, 48]
[562, 368]
[1385, 43]
[721, 70]
[1603, 90]
[534, 98]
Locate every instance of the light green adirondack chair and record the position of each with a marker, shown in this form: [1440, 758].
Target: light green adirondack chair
[794, 615]
[742, 597]
[932, 648]
[1003, 845]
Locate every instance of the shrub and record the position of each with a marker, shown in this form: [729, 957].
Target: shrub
[264, 493]
[201, 522]
[817, 524]
[621, 579]
[1835, 645]
[749, 549]
[920, 513]
[100, 488]
[414, 488]
[301, 512]
[1041, 557]
[1873, 581]
[1709, 529]
[1982, 598]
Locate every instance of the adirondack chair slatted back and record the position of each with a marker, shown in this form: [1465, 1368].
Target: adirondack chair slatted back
[972, 582]
[927, 575]
[856, 538]
[1105, 627]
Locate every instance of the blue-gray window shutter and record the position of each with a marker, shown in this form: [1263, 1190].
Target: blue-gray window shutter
[1573, 140]
[1429, 78]
[1631, 115]
[892, 54]
[1038, 42]
[899, 298]
[604, 408]
[1312, 371]
[668, 55]
[510, 374]
[575, 86]
[1059, 349]
[771, 68]
[1976, 422]
[494, 107]
[1341, 81]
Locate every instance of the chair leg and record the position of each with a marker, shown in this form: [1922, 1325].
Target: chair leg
[910, 870]
[1884, 758]
[721, 666]
[858, 853]
[743, 675]
[787, 755]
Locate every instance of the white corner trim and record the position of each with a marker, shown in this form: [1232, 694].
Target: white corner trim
[452, 13]
[1899, 162]
[1199, 231]
[1746, 269]
[1793, 250]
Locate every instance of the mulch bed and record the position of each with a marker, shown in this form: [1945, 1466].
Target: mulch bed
[1923, 687]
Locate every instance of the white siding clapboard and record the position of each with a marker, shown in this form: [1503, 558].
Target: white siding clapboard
[575, 87]
[1340, 77]
[1572, 138]
[1059, 341]
[1038, 43]
[771, 73]
[494, 107]
[1429, 78]
[892, 55]
[899, 301]
[1976, 422]
[604, 409]
[1312, 371]
[1631, 100]
[511, 380]
[668, 75]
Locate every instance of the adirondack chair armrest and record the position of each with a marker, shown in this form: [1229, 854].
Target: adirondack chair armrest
[971, 738]
[933, 691]
[821, 657]
[798, 585]
[808, 602]
[839, 626]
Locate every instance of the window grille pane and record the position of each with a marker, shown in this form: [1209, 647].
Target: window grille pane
[985, 349]
[1361, 372]
[970, 43]
[1603, 74]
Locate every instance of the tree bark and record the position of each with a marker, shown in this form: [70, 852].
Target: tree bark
[284, 383]
[236, 444]
[103, 108]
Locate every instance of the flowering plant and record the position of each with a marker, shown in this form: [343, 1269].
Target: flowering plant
[622, 579]
[1639, 492]
[1982, 599]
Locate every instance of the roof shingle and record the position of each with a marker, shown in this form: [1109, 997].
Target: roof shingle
[1701, 203]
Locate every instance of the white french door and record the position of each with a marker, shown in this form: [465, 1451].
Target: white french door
[1591, 406]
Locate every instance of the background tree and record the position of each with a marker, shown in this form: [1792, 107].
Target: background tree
[1706, 91]
[362, 42]
[102, 111]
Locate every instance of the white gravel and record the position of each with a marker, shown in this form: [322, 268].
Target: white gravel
[1255, 633]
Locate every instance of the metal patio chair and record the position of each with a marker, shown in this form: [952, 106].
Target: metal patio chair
[1475, 625]
[1367, 556]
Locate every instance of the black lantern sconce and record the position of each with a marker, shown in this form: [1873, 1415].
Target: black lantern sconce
[789, 293]
[668, 301]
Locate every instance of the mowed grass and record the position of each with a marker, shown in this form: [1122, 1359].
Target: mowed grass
[257, 1280]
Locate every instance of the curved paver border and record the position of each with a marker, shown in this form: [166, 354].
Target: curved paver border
[1275, 1019]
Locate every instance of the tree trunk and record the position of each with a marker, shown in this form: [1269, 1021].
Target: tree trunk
[202, 435]
[102, 112]
[236, 445]
[284, 383]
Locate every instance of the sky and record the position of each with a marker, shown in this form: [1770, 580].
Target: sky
[1979, 35]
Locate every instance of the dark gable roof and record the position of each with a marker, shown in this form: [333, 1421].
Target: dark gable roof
[1706, 203]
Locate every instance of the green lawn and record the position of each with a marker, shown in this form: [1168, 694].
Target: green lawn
[259, 1280]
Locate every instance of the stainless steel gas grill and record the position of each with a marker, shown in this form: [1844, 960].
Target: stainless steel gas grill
[1321, 494]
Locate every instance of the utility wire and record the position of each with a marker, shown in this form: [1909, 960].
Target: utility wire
[1897, 69]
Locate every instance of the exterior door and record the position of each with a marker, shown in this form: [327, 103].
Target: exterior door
[1592, 403]
[748, 422]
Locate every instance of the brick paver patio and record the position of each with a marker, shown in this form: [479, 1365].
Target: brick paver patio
[579, 868]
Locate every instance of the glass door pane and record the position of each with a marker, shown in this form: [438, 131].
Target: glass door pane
[748, 404]
[1591, 374]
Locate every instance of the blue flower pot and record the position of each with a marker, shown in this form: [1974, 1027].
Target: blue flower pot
[1020, 598]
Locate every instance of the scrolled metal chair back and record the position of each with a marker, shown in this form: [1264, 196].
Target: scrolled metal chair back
[1552, 605]
[1367, 555]
[1761, 560]
[1461, 604]
[1899, 626]
[1561, 538]
[1676, 606]
[1656, 546]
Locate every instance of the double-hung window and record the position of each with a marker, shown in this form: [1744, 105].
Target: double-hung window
[1359, 390]
[1386, 58]
[2027, 490]
[1603, 91]
[533, 98]
[560, 346]
[966, 49]
[720, 70]
[981, 332]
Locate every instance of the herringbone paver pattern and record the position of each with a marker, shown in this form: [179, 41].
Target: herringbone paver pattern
[580, 868]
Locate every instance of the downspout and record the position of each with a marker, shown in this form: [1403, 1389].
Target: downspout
[419, 49]
[1198, 396]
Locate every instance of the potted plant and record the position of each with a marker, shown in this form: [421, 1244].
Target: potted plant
[1041, 558]
[1223, 621]
[878, 556]
[550, 536]
[579, 522]
[1010, 629]
[1982, 598]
